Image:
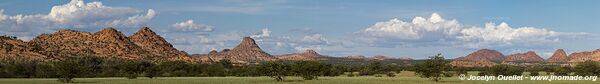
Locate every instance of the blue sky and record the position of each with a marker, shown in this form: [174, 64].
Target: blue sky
[332, 27]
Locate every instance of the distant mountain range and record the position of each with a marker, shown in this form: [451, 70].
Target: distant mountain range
[487, 58]
[147, 45]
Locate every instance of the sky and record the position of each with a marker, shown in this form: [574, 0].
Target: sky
[396, 28]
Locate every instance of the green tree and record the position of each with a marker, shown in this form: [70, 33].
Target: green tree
[275, 69]
[69, 68]
[373, 68]
[433, 68]
[174, 68]
[150, 70]
[563, 71]
[506, 70]
[131, 69]
[308, 70]
[587, 68]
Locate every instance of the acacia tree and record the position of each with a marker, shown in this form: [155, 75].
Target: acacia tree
[308, 70]
[68, 69]
[275, 69]
[433, 68]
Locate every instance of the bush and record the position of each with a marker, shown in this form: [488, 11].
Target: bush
[534, 73]
[506, 70]
[563, 71]
[587, 68]
[391, 74]
[351, 74]
[483, 73]
[309, 70]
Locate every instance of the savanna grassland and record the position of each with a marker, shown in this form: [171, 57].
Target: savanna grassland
[404, 77]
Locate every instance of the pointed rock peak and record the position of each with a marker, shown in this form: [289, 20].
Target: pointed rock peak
[311, 52]
[560, 50]
[247, 44]
[559, 56]
[109, 30]
[248, 40]
[109, 34]
[212, 52]
[145, 31]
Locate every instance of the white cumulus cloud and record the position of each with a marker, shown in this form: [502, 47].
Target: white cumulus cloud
[190, 26]
[262, 34]
[75, 14]
[439, 31]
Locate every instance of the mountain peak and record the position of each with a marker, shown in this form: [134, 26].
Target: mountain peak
[559, 56]
[528, 57]
[145, 31]
[109, 34]
[247, 44]
[311, 53]
[484, 54]
[246, 52]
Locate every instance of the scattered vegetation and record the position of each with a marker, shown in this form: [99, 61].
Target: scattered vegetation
[433, 68]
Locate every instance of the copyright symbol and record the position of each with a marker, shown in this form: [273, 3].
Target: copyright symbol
[462, 77]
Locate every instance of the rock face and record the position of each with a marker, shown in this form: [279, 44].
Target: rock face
[484, 54]
[529, 57]
[472, 63]
[105, 43]
[584, 56]
[246, 52]
[306, 55]
[13, 49]
[153, 43]
[559, 56]
[108, 43]
[479, 58]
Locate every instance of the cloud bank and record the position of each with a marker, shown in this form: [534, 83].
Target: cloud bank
[436, 31]
[74, 15]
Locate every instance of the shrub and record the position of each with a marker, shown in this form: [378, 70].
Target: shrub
[587, 68]
[391, 74]
[534, 73]
[351, 74]
[506, 70]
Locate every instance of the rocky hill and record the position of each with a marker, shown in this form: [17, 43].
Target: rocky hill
[153, 43]
[306, 55]
[529, 57]
[584, 56]
[483, 54]
[107, 43]
[246, 52]
[559, 56]
[479, 58]
[12, 48]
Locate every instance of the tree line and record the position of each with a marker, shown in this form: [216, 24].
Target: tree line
[435, 68]
[91, 66]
